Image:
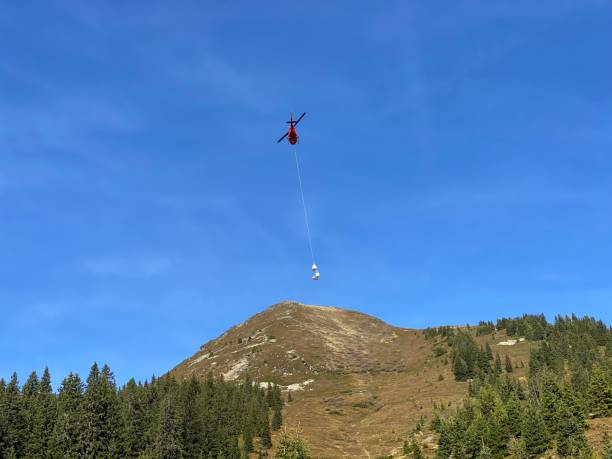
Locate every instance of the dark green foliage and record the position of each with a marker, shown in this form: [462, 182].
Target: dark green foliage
[191, 418]
[498, 364]
[277, 418]
[169, 444]
[266, 438]
[468, 359]
[535, 434]
[515, 414]
[101, 420]
[134, 411]
[164, 418]
[460, 369]
[530, 326]
[65, 438]
[41, 413]
[569, 373]
[15, 425]
[508, 364]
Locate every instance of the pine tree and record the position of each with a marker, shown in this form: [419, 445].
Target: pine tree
[445, 442]
[460, 369]
[277, 417]
[43, 416]
[64, 442]
[290, 446]
[266, 438]
[135, 415]
[16, 424]
[534, 433]
[29, 399]
[247, 437]
[550, 399]
[509, 368]
[489, 352]
[600, 392]
[515, 416]
[498, 364]
[101, 421]
[571, 427]
[192, 418]
[168, 445]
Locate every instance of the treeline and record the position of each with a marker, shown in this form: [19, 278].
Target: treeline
[570, 380]
[164, 418]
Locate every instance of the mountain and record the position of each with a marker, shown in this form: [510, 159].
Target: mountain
[359, 386]
[289, 341]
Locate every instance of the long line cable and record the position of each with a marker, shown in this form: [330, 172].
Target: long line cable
[299, 174]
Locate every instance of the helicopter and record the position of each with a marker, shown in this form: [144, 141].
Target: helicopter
[292, 133]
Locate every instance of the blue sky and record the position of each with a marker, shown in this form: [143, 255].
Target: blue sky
[456, 160]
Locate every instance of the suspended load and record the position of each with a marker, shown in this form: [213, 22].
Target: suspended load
[315, 272]
[292, 137]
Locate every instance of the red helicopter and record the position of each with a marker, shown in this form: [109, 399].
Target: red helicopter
[292, 133]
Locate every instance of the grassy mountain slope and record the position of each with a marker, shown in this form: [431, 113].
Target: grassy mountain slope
[359, 386]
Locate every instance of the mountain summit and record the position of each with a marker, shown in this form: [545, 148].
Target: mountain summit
[291, 340]
[349, 373]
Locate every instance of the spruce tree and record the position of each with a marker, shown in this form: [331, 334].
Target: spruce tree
[247, 437]
[600, 392]
[15, 435]
[3, 421]
[571, 427]
[534, 433]
[101, 421]
[168, 444]
[515, 416]
[44, 412]
[29, 398]
[445, 442]
[290, 446]
[509, 368]
[135, 416]
[460, 369]
[550, 399]
[192, 418]
[65, 439]
[489, 352]
[277, 417]
[266, 438]
[498, 364]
